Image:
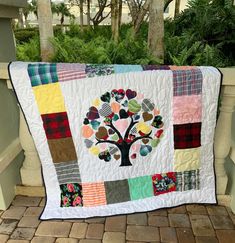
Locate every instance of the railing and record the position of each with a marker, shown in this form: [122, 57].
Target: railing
[31, 169]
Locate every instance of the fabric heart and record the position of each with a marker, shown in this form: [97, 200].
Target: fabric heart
[133, 156]
[94, 150]
[115, 107]
[115, 117]
[136, 117]
[134, 130]
[145, 140]
[147, 105]
[95, 124]
[125, 103]
[123, 114]
[145, 150]
[87, 132]
[130, 94]
[154, 142]
[156, 112]
[96, 102]
[115, 137]
[86, 121]
[134, 106]
[159, 133]
[105, 110]
[147, 116]
[157, 122]
[118, 94]
[103, 146]
[105, 156]
[102, 133]
[135, 147]
[143, 127]
[106, 97]
[121, 125]
[111, 131]
[92, 114]
[88, 143]
[113, 150]
[117, 156]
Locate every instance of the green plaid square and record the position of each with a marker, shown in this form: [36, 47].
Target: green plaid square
[42, 74]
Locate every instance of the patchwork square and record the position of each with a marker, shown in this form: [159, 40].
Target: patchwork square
[117, 191]
[70, 71]
[182, 67]
[155, 67]
[164, 183]
[62, 150]
[93, 70]
[127, 68]
[94, 194]
[56, 125]
[187, 109]
[71, 195]
[187, 135]
[49, 98]
[187, 82]
[188, 180]
[140, 187]
[40, 74]
[68, 172]
[186, 159]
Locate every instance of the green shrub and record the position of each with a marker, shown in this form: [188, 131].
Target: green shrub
[25, 35]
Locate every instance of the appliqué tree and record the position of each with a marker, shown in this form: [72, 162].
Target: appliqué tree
[122, 124]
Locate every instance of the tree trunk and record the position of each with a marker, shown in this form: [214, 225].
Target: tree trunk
[81, 14]
[156, 28]
[45, 28]
[177, 7]
[20, 19]
[88, 13]
[120, 13]
[114, 19]
[125, 149]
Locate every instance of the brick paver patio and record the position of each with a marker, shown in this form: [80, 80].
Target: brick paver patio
[184, 224]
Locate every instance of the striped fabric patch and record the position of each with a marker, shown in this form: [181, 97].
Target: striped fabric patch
[42, 74]
[68, 172]
[187, 82]
[188, 180]
[93, 194]
[70, 72]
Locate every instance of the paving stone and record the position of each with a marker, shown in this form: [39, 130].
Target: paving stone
[89, 241]
[206, 239]
[114, 237]
[159, 221]
[26, 201]
[66, 240]
[14, 213]
[196, 209]
[179, 209]
[40, 239]
[96, 220]
[7, 226]
[29, 221]
[33, 211]
[179, 220]
[185, 235]
[23, 234]
[225, 236]
[78, 230]
[142, 233]
[95, 231]
[221, 222]
[115, 223]
[231, 214]
[43, 202]
[158, 212]
[3, 238]
[18, 241]
[201, 225]
[54, 229]
[74, 220]
[168, 235]
[216, 210]
[137, 219]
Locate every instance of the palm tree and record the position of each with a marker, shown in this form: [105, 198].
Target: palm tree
[45, 28]
[61, 9]
[177, 7]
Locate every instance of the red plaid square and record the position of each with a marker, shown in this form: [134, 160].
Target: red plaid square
[187, 135]
[56, 125]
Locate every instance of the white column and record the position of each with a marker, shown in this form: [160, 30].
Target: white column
[31, 169]
[223, 137]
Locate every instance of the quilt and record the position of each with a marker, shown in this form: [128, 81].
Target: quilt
[117, 139]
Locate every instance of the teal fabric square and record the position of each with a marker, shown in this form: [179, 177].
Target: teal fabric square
[141, 187]
[119, 68]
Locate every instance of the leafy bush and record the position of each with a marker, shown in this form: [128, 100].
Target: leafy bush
[25, 35]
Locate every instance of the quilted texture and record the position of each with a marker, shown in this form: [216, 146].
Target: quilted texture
[117, 139]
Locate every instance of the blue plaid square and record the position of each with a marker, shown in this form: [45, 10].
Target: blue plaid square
[42, 74]
[187, 82]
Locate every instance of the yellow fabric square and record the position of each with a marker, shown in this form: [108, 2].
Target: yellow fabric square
[49, 98]
[186, 159]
